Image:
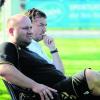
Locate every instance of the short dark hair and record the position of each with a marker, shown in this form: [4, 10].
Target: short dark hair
[34, 13]
[1, 2]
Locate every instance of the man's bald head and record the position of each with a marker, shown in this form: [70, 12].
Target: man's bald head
[16, 20]
[19, 28]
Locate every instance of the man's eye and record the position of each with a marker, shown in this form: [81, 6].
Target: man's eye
[26, 28]
[42, 25]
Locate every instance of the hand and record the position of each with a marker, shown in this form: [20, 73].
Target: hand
[49, 42]
[44, 91]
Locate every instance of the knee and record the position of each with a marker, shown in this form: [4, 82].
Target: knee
[92, 78]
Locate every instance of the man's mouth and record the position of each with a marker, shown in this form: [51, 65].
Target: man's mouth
[29, 36]
[43, 35]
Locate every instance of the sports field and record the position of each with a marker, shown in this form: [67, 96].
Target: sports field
[76, 54]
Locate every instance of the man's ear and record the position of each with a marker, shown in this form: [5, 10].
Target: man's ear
[11, 30]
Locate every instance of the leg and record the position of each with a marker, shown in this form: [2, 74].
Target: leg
[87, 82]
[81, 84]
[65, 89]
[74, 86]
[93, 80]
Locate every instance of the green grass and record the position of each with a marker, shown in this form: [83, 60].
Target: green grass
[3, 92]
[76, 54]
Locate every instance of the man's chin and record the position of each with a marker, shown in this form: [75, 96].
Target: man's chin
[24, 44]
[37, 40]
[40, 39]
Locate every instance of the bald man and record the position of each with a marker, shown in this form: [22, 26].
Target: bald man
[20, 35]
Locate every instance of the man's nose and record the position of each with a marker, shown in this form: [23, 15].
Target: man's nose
[44, 29]
[30, 30]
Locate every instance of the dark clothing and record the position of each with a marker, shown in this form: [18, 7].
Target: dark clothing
[38, 69]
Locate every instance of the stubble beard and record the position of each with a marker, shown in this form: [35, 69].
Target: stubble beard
[23, 44]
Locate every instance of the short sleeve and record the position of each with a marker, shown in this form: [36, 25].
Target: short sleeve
[8, 53]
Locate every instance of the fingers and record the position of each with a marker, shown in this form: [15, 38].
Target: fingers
[48, 40]
[49, 94]
[41, 96]
[46, 95]
[44, 91]
[54, 90]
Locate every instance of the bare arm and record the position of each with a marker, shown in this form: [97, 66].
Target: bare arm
[49, 42]
[12, 75]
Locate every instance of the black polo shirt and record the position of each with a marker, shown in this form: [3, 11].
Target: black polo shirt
[30, 64]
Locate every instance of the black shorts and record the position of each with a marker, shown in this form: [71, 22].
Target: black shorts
[75, 85]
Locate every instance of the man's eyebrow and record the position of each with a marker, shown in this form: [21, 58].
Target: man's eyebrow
[43, 24]
[26, 27]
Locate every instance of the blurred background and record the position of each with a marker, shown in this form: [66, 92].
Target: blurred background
[75, 26]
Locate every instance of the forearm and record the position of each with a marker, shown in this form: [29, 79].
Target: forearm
[57, 61]
[56, 58]
[12, 75]
[49, 42]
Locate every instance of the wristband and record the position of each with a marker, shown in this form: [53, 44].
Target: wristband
[54, 51]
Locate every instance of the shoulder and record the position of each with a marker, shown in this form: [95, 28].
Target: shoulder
[8, 53]
[7, 46]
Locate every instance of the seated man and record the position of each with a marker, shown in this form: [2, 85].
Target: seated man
[27, 69]
[38, 19]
